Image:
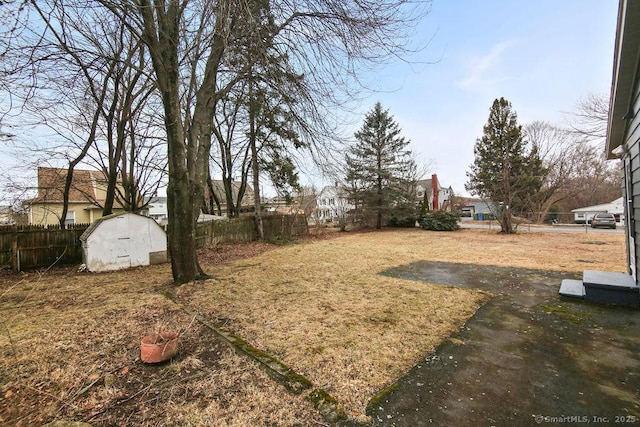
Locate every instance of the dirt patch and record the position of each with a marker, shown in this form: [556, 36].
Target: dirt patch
[525, 358]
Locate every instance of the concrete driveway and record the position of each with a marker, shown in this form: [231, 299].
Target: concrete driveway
[526, 358]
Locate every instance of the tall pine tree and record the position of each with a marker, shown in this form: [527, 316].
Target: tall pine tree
[504, 172]
[380, 168]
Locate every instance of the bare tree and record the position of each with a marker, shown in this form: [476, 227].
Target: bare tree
[188, 42]
[577, 172]
[329, 38]
[231, 155]
[92, 88]
[560, 151]
[591, 117]
[596, 180]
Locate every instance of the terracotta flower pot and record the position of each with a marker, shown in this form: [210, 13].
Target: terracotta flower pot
[156, 348]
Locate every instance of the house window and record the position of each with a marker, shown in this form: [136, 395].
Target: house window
[70, 219]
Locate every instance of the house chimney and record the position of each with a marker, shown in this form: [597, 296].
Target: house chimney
[434, 188]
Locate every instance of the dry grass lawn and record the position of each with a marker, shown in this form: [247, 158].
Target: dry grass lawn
[69, 340]
[324, 310]
[70, 350]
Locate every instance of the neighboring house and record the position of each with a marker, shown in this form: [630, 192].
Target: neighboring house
[302, 203]
[623, 142]
[584, 215]
[157, 206]
[279, 203]
[439, 197]
[157, 209]
[288, 210]
[331, 205]
[246, 204]
[476, 208]
[86, 197]
[6, 215]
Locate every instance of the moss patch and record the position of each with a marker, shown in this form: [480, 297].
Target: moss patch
[568, 313]
[326, 405]
[379, 396]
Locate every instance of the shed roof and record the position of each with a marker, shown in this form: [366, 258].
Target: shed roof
[94, 225]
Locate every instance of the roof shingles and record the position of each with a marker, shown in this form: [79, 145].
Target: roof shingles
[51, 182]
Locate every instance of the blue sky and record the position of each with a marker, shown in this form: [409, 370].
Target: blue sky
[543, 56]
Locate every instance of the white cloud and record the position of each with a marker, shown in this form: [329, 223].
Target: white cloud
[481, 72]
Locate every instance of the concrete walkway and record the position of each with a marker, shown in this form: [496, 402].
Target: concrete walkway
[526, 358]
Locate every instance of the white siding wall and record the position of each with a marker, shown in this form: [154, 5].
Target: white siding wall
[124, 241]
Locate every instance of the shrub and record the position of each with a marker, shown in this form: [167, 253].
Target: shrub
[403, 216]
[440, 221]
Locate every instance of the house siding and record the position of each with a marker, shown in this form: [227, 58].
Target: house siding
[87, 191]
[633, 142]
[330, 205]
[49, 213]
[632, 159]
[623, 130]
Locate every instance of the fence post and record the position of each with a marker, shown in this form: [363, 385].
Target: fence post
[15, 254]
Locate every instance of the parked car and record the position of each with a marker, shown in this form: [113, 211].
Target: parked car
[604, 220]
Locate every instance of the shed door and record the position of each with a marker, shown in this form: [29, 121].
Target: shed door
[123, 241]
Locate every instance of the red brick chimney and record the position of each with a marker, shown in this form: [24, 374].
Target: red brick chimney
[434, 188]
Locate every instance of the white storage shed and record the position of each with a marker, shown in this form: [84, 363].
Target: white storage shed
[121, 241]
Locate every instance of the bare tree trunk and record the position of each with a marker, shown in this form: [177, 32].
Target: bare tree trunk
[256, 199]
[379, 201]
[115, 151]
[72, 165]
[161, 33]
[227, 182]
[254, 164]
[213, 204]
[506, 223]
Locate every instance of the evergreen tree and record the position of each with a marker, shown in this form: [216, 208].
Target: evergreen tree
[380, 168]
[503, 171]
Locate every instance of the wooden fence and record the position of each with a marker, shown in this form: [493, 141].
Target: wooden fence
[31, 247]
[243, 229]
